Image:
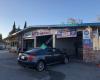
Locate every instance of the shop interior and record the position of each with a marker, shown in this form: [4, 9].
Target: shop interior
[47, 40]
[72, 46]
[28, 44]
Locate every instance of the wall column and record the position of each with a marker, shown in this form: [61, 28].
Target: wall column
[35, 42]
[88, 55]
[54, 41]
[22, 45]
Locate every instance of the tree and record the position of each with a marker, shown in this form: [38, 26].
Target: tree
[74, 21]
[13, 29]
[0, 36]
[25, 25]
[18, 29]
[71, 21]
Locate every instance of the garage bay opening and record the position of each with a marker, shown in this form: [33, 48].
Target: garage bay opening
[72, 46]
[47, 40]
[28, 44]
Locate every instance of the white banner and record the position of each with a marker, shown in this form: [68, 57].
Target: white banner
[86, 34]
[41, 32]
[27, 35]
[63, 33]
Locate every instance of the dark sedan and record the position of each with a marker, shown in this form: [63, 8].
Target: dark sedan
[40, 58]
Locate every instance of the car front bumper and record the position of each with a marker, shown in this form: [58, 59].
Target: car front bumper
[27, 64]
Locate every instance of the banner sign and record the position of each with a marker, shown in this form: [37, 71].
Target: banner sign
[87, 43]
[63, 33]
[33, 34]
[95, 33]
[41, 32]
[27, 35]
[86, 34]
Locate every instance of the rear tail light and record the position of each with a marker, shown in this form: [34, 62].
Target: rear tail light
[31, 57]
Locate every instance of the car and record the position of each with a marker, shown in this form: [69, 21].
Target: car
[40, 58]
[2, 47]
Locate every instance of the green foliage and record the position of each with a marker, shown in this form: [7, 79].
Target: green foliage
[13, 29]
[25, 25]
[0, 36]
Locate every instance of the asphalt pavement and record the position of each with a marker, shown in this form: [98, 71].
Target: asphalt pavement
[10, 70]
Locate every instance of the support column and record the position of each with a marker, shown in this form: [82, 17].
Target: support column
[22, 45]
[54, 41]
[35, 42]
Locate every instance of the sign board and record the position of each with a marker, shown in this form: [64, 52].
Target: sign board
[41, 32]
[86, 34]
[95, 33]
[33, 34]
[87, 43]
[53, 31]
[28, 35]
[73, 33]
[63, 33]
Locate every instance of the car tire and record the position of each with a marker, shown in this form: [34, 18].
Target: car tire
[40, 66]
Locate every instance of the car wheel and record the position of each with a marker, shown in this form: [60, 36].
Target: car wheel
[40, 66]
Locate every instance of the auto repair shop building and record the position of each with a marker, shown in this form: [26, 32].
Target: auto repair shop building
[81, 41]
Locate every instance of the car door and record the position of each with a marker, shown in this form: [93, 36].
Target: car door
[49, 57]
[57, 55]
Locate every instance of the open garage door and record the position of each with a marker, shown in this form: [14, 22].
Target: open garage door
[28, 44]
[72, 46]
[47, 40]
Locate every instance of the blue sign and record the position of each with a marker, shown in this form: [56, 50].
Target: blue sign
[88, 42]
[86, 34]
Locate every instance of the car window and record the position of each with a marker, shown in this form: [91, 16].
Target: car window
[53, 51]
[34, 51]
[49, 51]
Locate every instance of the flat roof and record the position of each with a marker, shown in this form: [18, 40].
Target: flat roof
[90, 24]
[67, 25]
[97, 24]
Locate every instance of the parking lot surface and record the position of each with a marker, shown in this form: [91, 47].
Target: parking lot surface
[10, 70]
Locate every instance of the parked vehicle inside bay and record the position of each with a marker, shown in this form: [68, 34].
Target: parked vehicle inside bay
[39, 59]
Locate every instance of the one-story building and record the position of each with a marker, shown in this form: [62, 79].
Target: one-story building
[81, 41]
[2, 45]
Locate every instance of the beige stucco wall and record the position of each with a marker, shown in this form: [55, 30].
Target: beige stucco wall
[93, 54]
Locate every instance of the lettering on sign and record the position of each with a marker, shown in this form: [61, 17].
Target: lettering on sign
[63, 33]
[41, 32]
[86, 34]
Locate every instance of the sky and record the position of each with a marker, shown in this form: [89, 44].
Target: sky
[42, 12]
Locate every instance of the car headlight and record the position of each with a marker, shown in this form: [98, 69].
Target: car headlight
[20, 54]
